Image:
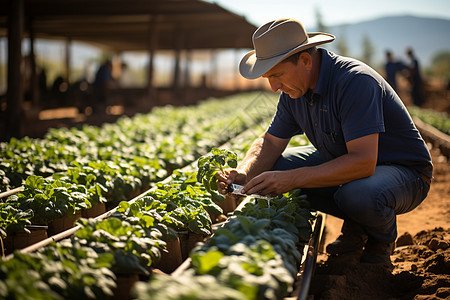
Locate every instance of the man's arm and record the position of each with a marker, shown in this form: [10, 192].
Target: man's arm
[359, 162]
[262, 155]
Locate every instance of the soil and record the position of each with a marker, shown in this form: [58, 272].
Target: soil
[421, 261]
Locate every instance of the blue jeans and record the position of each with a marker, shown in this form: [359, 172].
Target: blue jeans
[373, 202]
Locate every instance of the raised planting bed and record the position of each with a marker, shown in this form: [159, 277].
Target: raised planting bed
[256, 254]
[434, 136]
[142, 149]
[21, 239]
[129, 241]
[128, 244]
[116, 162]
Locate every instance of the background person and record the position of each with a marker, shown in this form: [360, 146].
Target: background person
[415, 78]
[392, 68]
[367, 161]
[102, 85]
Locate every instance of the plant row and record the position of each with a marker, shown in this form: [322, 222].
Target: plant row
[153, 144]
[88, 264]
[253, 256]
[132, 240]
[107, 167]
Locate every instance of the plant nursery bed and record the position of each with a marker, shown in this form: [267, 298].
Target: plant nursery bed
[21, 240]
[309, 251]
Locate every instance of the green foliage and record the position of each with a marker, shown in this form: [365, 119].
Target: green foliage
[183, 204]
[186, 286]
[253, 256]
[289, 211]
[341, 44]
[66, 270]
[209, 165]
[151, 216]
[440, 65]
[368, 50]
[50, 199]
[272, 231]
[242, 271]
[133, 246]
[19, 280]
[439, 120]
[5, 181]
[147, 147]
[90, 165]
[76, 271]
[13, 219]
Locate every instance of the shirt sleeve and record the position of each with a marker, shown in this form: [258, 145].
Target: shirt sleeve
[283, 124]
[361, 107]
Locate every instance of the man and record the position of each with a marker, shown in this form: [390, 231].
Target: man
[392, 67]
[102, 85]
[368, 162]
[415, 78]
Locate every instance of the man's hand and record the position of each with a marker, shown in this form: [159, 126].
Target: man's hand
[270, 183]
[228, 177]
[261, 156]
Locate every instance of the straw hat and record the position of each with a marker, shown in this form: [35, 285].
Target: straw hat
[275, 41]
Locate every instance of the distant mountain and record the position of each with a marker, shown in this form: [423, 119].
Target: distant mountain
[426, 36]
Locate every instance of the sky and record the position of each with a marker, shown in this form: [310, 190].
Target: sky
[333, 12]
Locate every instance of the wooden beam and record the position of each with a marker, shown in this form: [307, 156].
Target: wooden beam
[179, 35]
[33, 76]
[117, 7]
[14, 115]
[67, 59]
[152, 46]
[187, 71]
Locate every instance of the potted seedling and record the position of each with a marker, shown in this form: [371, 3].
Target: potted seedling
[16, 230]
[55, 203]
[208, 166]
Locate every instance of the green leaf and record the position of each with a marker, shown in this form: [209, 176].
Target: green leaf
[128, 263]
[123, 206]
[205, 263]
[258, 225]
[213, 181]
[216, 197]
[209, 165]
[232, 163]
[245, 223]
[214, 209]
[34, 182]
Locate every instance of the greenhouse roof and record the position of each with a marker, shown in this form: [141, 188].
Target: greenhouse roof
[134, 25]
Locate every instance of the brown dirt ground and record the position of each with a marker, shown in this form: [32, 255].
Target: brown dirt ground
[421, 260]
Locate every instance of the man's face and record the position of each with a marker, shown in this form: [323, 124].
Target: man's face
[292, 79]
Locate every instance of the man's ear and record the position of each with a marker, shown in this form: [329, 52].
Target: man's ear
[306, 60]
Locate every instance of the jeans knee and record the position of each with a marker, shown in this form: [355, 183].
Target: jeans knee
[298, 157]
[357, 201]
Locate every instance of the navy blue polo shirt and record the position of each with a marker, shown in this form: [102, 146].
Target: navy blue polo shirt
[350, 101]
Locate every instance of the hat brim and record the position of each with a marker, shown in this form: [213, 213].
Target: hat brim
[251, 67]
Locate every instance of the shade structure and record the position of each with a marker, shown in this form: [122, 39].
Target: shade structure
[128, 25]
[115, 26]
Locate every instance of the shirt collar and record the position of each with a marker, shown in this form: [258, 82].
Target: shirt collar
[324, 76]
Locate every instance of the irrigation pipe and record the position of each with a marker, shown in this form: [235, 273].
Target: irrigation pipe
[310, 256]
